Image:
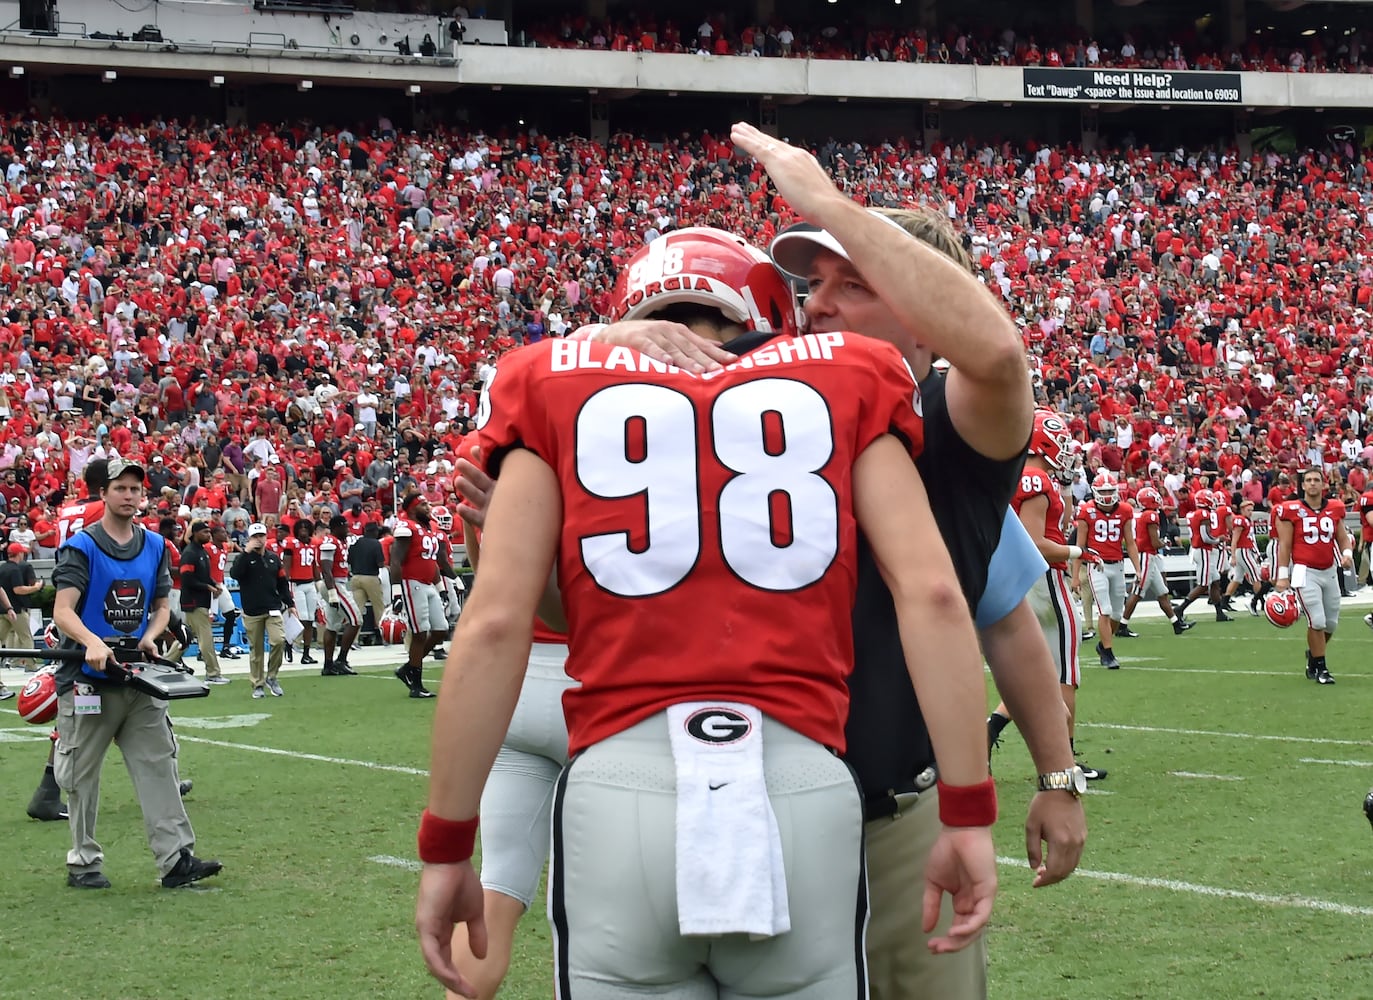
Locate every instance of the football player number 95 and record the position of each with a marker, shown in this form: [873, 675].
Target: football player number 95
[778, 517]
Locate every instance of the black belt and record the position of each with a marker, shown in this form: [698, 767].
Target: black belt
[897, 800]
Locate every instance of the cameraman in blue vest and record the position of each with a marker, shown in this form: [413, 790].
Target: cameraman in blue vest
[112, 583]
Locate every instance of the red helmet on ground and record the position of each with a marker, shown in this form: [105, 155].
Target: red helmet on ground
[707, 267]
[37, 703]
[1052, 442]
[1149, 498]
[1281, 608]
[392, 629]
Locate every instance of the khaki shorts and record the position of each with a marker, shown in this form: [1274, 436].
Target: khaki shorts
[899, 964]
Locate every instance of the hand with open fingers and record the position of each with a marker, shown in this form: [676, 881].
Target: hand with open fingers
[795, 173]
[671, 343]
[1058, 820]
[474, 486]
[449, 895]
[963, 864]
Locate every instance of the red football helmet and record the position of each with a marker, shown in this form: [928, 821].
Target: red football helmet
[443, 518]
[1105, 489]
[1281, 608]
[392, 629]
[37, 703]
[1149, 498]
[709, 267]
[1052, 442]
[1204, 500]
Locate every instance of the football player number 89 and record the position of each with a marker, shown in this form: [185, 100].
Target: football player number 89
[623, 453]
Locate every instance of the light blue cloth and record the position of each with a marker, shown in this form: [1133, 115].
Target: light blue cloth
[1016, 565]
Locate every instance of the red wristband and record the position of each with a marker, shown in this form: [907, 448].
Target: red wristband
[446, 841]
[968, 805]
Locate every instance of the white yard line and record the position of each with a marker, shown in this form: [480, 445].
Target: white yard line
[1297, 672]
[1209, 777]
[395, 862]
[1216, 892]
[393, 768]
[1228, 735]
[1338, 763]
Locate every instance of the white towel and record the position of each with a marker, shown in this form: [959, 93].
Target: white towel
[730, 874]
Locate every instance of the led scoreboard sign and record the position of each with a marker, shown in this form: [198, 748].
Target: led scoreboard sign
[1146, 86]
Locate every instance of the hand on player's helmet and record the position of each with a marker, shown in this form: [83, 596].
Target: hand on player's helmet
[670, 343]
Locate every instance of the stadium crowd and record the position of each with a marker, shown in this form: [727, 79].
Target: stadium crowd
[1185, 46]
[302, 316]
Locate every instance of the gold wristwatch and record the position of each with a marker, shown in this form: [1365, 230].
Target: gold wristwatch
[1073, 781]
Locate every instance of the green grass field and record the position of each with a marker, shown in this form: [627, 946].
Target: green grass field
[1227, 857]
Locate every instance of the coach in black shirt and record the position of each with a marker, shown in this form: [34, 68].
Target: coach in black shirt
[905, 278]
[366, 562]
[263, 590]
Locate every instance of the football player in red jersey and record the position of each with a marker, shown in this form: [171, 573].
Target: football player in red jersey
[1207, 530]
[417, 560]
[343, 617]
[177, 637]
[74, 515]
[658, 490]
[1105, 527]
[1038, 501]
[1244, 550]
[220, 548]
[301, 560]
[1366, 537]
[1149, 582]
[1310, 533]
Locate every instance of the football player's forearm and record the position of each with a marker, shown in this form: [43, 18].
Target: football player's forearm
[941, 650]
[949, 310]
[1027, 681]
[481, 685]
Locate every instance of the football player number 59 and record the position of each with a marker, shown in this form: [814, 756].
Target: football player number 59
[663, 469]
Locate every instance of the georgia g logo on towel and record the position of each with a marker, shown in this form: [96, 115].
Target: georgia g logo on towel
[718, 725]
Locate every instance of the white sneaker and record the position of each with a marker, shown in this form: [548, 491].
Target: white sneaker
[274, 687]
[1368, 620]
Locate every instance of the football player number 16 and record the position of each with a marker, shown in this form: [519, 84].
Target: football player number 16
[665, 473]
